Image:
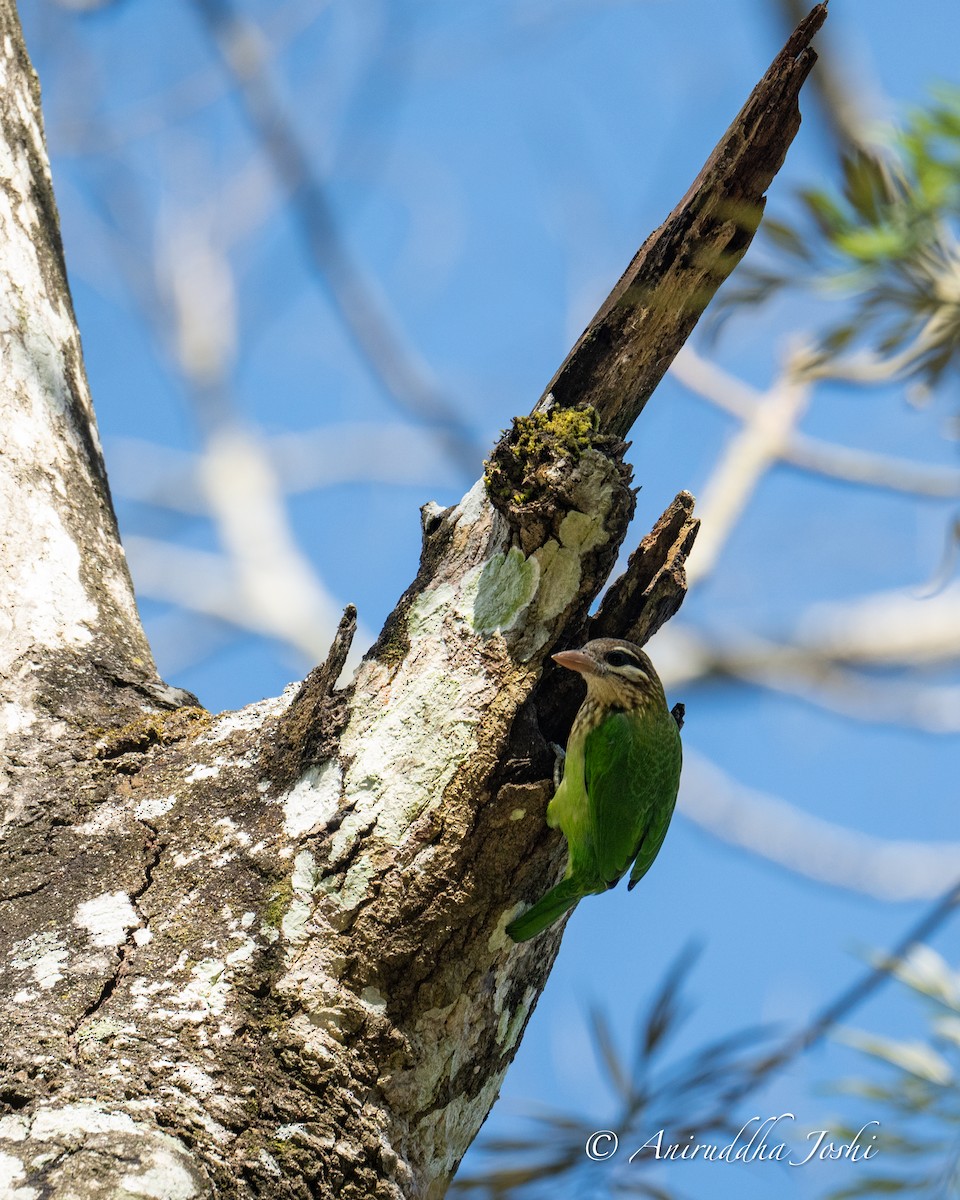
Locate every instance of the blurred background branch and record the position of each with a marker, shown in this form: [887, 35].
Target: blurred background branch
[363, 312]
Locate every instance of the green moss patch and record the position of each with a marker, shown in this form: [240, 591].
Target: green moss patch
[518, 470]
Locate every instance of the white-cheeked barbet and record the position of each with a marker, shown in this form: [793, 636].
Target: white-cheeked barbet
[620, 778]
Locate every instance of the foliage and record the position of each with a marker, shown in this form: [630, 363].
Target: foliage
[887, 244]
[918, 1104]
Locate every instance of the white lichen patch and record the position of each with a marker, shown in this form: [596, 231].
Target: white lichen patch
[313, 800]
[506, 585]
[304, 883]
[43, 955]
[304, 879]
[232, 831]
[15, 718]
[183, 858]
[13, 1128]
[204, 996]
[144, 992]
[285, 1132]
[166, 1179]
[162, 1171]
[107, 918]
[103, 1030]
[561, 568]
[242, 954]
[106, 817]
[86, 1116]
[582, 531]
[510, 1024]
[247, 719]
[269, 1164]
[354, 887]
[371, 997]
[445, 1131]
[197, 1080]
[351, 828]
[156, 806]
[429, 606]
[203, 771]
[396, 774]
[499, 940]
[560, 575]
[12, 1169]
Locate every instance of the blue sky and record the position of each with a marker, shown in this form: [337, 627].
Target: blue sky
[494, 166]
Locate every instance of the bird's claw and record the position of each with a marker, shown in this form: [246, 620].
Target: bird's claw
[560, 757]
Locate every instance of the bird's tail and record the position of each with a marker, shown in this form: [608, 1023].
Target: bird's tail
[553, 905]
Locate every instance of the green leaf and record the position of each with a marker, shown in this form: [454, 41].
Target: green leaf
[866, 186]
[916, 1058]
[786, 238]
[607, 1055]
[828, 216]
[666, 1011]
[872, 243]
[879, 1185]
[926, 971]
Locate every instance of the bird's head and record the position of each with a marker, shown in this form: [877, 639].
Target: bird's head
[618, 674]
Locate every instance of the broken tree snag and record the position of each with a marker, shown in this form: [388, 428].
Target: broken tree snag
[625, 350]
[309, 731]
[635, 606]
[653, 586]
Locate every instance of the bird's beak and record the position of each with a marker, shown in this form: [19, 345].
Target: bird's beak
[576, 660]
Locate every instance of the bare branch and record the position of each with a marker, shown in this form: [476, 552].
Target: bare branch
[627, 347]
[686, 655]
[846, 463]
[809, 846]
[883, 471]
[214, 585]
[341, 452]
[364, 314]
[887, 628]
[750, 453]
[851, 998]
[307, 732]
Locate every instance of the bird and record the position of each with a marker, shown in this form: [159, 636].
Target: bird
[620, 779]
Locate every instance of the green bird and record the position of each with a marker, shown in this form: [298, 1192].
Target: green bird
[620, 778]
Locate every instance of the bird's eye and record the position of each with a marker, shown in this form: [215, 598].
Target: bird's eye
[617, 658]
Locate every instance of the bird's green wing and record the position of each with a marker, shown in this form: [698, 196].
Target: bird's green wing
[632, 772]
[660, 817]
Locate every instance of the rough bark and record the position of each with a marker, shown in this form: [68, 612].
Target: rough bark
[262, 953]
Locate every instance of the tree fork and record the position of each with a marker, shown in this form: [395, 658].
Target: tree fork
[262, 953]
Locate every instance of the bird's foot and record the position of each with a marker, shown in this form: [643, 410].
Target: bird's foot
[560, 757]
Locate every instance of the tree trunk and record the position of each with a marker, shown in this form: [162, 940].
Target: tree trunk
[263, 953]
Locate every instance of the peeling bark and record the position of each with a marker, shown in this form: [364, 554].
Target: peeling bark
[263, 953]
